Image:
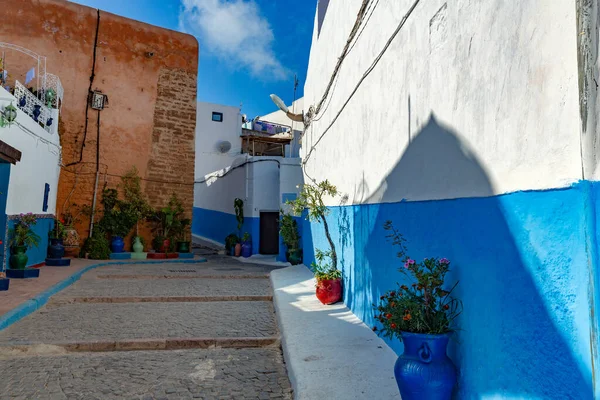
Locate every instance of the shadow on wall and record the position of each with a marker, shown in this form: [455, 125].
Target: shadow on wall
[520, 259]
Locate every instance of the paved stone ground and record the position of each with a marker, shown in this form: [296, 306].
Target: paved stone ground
[247, 373]
[167, 287]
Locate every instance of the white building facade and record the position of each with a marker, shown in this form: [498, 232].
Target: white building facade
[224, 173]
[470, 125]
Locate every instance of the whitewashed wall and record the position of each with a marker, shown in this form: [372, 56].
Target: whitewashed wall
[263, 185]
[499, 79]
[210, 133]
[40, 162]
[290, 178]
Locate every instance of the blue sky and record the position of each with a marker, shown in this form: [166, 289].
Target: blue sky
[248, 48]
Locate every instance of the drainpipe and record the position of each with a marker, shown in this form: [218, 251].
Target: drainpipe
[97, 175]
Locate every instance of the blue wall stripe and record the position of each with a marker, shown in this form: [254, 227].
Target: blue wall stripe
[525, 277]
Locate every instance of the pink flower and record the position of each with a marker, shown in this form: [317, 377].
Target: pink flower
[408, 263]
[444, 261]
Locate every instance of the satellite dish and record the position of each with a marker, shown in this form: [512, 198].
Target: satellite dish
[279, 103]
[224, 146]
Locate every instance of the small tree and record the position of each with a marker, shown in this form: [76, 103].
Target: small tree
[134, 200]
[311, 199]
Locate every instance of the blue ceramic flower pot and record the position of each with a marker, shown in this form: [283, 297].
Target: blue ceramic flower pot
[246, 249]
[424, 371]
[117, 245]
[56, 248]
[4, 283]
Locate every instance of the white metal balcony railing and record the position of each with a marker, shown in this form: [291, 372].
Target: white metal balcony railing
[32, 106]
[39, 105]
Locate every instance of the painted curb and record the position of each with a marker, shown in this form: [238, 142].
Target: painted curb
[35, 303]
[284, 348]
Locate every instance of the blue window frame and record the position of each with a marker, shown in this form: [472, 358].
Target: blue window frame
[217, 116]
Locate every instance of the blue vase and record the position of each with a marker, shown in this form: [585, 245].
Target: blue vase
[36, 112]
[246, 249]
[117, 245]
[56, 248]
[424, 371]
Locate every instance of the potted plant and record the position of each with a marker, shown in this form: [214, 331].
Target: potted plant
[96, 247]
[135, 203]
[4, 281]
[231, 241]
[167, 225]
[310, 198]
[138, 244]
[288, 229]
[56, 249]
[329, 279]
[118, 219]
[246, 245]
[68, 219]
[183, 245]
[421, 315]
[22, 237]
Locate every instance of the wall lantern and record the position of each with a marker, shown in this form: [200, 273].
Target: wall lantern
[98, 100]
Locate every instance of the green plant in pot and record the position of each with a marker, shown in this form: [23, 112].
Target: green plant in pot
[56, 248]
[421, 314]
[138, 244]
[22, 237]
[246, 245]
[167, 225]
[231, 241]
[311, 198]
[183, 244]
[135, 204]
[118, 219]
[288, 229]
[97, 246]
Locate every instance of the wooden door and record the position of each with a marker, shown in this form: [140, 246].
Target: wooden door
[269, 233]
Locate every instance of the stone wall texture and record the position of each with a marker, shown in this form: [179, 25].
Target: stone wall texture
[149, 75]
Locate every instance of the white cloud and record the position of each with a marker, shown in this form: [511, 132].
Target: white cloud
[235, 31]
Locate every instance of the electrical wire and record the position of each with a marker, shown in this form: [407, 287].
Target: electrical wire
[371, 8]
[87, 103]
[236, 167]
[341, 58]
[365, 75]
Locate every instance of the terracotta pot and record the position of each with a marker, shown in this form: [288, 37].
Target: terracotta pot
[329, 291]
[238, 250]
[166, 245]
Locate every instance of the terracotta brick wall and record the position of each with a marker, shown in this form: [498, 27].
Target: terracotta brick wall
[150, 121]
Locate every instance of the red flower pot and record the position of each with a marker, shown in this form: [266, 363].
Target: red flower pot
[166, 245]
[329, 291]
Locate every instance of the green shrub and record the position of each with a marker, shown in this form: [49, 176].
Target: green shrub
[96, 247]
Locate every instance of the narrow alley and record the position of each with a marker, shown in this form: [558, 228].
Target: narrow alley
[120, 332]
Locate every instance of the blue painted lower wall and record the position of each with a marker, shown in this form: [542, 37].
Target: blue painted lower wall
[37, 255]
[216, 225]
[525, 268]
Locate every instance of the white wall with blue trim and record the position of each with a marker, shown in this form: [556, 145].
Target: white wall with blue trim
[467, 133]
[27, 179]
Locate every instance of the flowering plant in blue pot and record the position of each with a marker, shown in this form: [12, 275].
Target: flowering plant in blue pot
[422, 316]
[246, 245]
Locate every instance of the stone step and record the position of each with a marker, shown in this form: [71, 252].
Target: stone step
[139, 344]
[163, 299]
